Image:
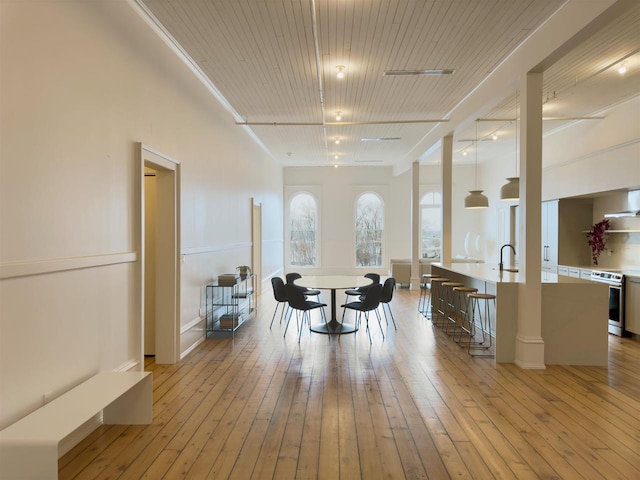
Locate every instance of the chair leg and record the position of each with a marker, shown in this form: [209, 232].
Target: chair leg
[305, 315]
[288, 318]
[390, 313]
[379, 322]
[274, 315]
[366, 319]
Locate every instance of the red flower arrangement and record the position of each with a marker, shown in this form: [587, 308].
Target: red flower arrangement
[597, 238]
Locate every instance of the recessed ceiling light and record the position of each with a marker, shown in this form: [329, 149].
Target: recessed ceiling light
[379, 139]
[494, 136]
[622, 69]
[398, 73]
[340, 73]
[337, 141]
[338, 116]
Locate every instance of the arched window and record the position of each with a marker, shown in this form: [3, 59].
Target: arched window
[303, 228]
[431, 224]
[369, 229]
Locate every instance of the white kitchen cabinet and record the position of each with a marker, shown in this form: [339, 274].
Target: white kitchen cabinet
[574, 272]
[563, 270]
[632, 304]
[585, 273]
[550, 233]
[563, 239]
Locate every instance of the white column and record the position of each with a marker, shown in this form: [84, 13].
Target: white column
[415, 225]
[529, 343]
[447, 192]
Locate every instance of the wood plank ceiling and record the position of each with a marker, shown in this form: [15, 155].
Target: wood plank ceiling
[275, 61]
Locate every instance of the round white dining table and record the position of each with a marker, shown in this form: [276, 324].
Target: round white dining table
[333, 283]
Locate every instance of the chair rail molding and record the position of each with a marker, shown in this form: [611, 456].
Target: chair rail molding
[55, 265]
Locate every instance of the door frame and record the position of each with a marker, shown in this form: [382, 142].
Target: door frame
[256, 244]
[167, 169]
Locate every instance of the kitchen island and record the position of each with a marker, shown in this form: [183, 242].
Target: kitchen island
[574, 312]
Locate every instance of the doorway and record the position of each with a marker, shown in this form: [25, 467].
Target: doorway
[160, 264]
[256, 244]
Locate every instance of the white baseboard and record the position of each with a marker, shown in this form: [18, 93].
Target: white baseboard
[191, 348]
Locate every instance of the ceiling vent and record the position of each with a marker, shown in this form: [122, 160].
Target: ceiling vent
[402, 73]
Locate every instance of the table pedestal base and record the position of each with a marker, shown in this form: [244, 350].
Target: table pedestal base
[333, 327]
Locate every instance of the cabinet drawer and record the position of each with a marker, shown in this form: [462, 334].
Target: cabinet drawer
[563, 271]
[574, 272]
[585, 274]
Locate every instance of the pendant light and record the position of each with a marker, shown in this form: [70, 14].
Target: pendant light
[510, 191]
[476, 199]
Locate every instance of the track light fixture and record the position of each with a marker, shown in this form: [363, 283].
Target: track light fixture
[340, 69]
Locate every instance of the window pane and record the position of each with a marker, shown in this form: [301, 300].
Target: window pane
[369, 228]
[431, 225]
[303, 219]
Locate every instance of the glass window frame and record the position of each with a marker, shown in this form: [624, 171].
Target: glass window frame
[290, 193]
[430, 206]
[382, 252]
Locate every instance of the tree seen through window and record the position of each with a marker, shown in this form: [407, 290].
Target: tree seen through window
[369, 229]
[431, 224]
[303, 215]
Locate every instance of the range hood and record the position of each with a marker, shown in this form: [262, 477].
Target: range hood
[633, 207]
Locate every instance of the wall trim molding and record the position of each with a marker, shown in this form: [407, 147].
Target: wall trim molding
[193, 323]
[192, 347]
[595, 153]
[215, 248]
[196, 322]
[54, 265]
[130, 365]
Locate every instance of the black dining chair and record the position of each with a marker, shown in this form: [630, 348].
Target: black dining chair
[299, 303]
[356, 292]
[309, 292]
[385, 299]
[281, 298]
[369, 303]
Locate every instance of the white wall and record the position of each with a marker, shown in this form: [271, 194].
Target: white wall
[588, 158]
[81, 83]
[339, 188]
[594, 155]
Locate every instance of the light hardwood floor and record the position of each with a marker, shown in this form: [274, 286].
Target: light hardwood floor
[413, 405]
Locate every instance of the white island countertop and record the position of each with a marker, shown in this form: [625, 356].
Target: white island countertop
[488, 272]
[573, 312]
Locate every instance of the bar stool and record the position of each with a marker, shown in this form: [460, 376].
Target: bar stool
[425, 294]
[448, 297]
[461, 306]
[436, 296]
[485, 323]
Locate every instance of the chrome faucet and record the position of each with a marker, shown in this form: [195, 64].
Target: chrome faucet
[501, 249]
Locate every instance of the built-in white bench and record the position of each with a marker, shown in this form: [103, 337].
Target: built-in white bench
[29, 447]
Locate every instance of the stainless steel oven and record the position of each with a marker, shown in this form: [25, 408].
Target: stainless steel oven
[615, 280]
